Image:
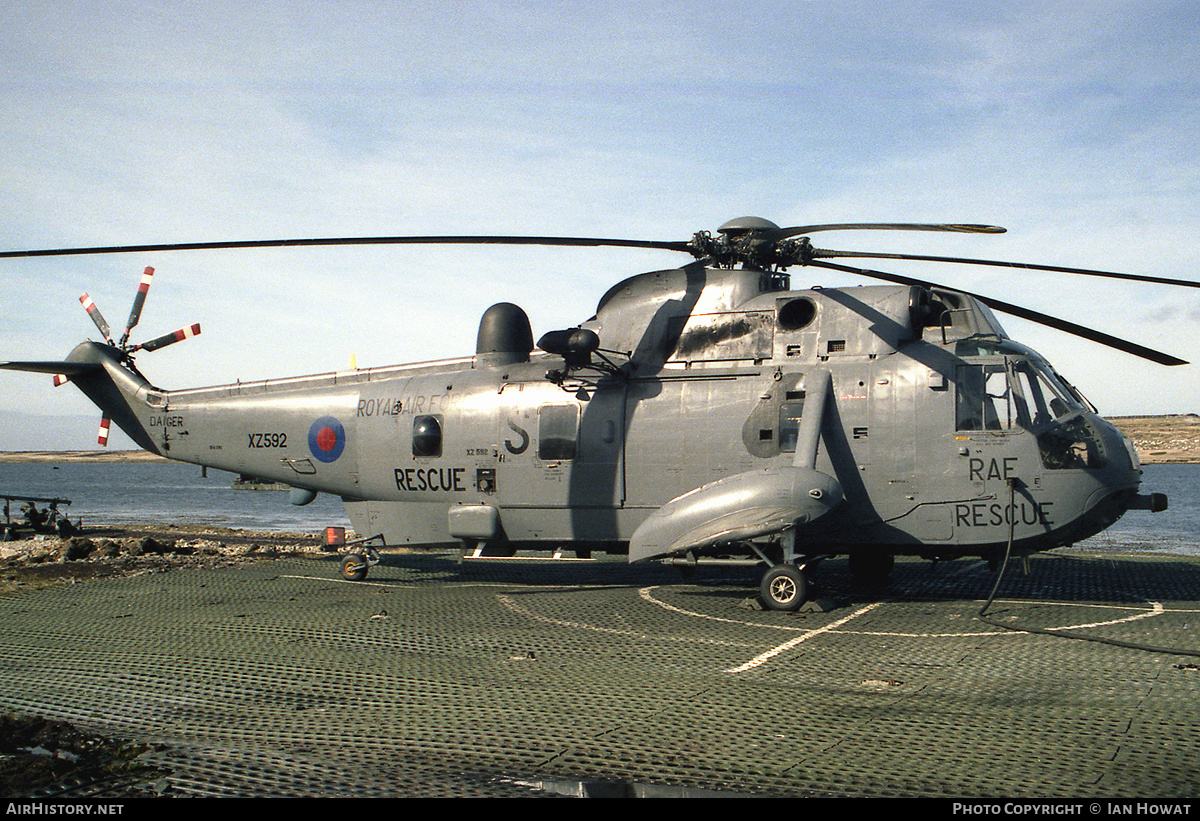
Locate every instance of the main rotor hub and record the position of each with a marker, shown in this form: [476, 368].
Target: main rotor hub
[746, 225]
[753, 242]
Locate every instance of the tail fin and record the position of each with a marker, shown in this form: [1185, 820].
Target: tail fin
[120, 392]
[106, 374]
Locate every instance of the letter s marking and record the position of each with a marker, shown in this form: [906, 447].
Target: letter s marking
[521, 448]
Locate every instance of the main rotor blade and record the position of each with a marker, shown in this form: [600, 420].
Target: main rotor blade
[819, 253]
[1024, 313]
[958, 228]
[328, 241]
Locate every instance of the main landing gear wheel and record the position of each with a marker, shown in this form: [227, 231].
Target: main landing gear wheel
[354, 568]
[783, 588]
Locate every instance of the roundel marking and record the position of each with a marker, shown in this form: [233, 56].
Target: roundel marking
[326, 439]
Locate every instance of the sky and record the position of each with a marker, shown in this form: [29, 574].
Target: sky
[1073, 125]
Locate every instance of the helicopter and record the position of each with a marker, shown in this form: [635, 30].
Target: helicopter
[705, 413]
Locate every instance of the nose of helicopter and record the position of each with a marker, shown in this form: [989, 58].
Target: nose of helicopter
[1122, 475]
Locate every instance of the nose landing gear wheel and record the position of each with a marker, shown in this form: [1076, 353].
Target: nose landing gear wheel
[783, 588]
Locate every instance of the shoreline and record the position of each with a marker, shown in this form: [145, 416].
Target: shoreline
[31, 456]
[1159, 440]
[40, 560]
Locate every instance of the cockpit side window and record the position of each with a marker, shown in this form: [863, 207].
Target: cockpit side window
[1022, 393]
[983, 400]
[1025, 393]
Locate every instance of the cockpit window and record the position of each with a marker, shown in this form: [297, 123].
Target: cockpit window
[983, 400]
[1072, 443]
[1040, 398]
[1019, 393]
[1025, 393]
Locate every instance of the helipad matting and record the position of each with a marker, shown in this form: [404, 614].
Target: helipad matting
[433, 678]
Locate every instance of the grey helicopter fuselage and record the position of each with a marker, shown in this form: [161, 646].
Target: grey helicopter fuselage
[712, 410]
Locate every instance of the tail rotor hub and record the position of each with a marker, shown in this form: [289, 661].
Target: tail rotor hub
[123, 347]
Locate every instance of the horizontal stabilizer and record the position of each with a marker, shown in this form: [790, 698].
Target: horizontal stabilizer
[57, 368]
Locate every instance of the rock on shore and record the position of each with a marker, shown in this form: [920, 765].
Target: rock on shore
[43, 560]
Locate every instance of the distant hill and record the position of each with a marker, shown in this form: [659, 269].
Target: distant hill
[1162, 439]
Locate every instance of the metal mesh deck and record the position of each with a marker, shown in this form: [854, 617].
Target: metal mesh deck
[493, 678]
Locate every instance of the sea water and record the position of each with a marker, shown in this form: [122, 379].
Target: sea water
[1174, 530]
[161, 493]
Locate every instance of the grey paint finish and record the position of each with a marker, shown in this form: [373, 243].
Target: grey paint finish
[710, 385]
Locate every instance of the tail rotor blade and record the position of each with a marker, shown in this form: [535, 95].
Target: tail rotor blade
[102, 438]
[61, 379]
[97, 317]
[169, 339]
[139, 299]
